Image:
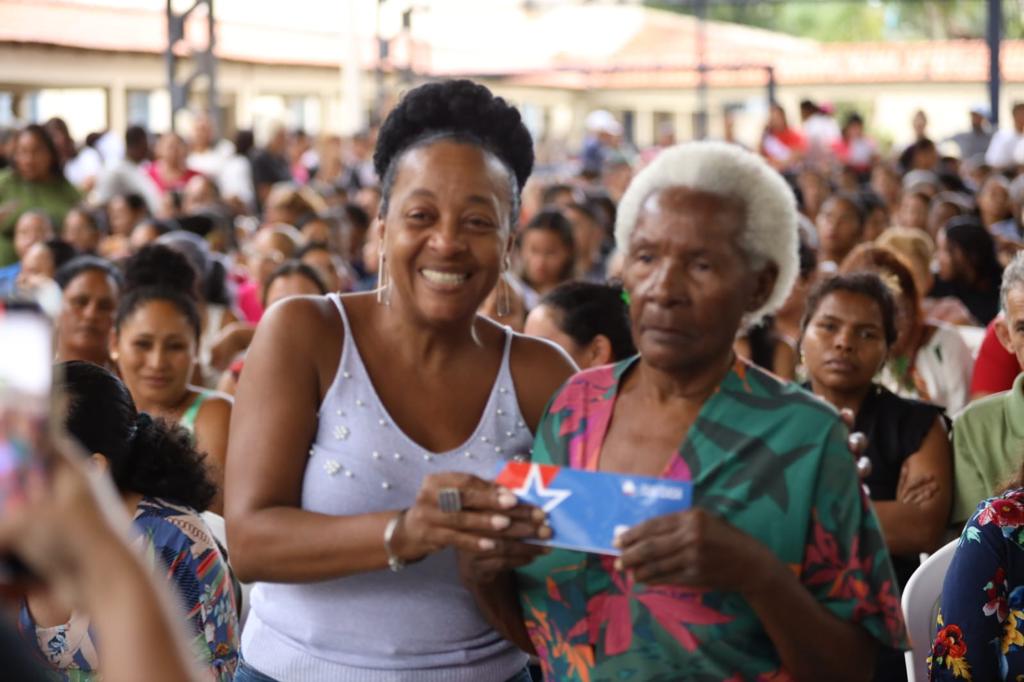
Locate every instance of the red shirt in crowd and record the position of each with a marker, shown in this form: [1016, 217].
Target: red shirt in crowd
[995, 368]
[165, 185]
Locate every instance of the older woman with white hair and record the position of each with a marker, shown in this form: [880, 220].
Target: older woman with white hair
[779, 570]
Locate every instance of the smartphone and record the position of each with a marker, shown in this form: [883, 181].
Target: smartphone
[26, 380]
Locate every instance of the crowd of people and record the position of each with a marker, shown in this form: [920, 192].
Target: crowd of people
[289, 357]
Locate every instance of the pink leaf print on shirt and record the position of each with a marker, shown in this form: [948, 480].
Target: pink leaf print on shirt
[585, 402]
[672, 607]
[824, 567]
[612, 611]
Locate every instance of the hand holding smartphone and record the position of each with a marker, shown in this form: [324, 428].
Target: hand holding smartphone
[26, 379]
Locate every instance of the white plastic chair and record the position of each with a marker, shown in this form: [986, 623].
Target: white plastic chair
[921, 606]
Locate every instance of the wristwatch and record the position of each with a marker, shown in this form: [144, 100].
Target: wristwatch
[395, 563]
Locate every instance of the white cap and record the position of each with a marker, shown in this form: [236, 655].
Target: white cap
[981, 110]
[602, 121]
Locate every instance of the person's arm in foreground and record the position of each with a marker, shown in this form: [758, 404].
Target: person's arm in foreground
[67, 534]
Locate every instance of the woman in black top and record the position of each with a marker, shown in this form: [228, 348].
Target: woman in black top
[968, 267]
[849, 328]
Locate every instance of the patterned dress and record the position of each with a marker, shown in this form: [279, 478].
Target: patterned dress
[769, 458]
[176, 542]
[980, 630]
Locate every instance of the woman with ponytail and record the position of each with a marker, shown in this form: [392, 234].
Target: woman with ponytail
[156, 347]
[164, 484]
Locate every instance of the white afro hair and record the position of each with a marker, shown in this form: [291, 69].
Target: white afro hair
[726, 170]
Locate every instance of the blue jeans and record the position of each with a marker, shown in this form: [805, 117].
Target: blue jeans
[246, 673]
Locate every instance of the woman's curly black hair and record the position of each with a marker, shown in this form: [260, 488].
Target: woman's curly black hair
[158, 272]
[459, 110]
[147, 456]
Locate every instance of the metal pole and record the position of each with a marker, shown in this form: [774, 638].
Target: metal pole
[702, 75]
[771, 85]
[169, 61]
[212, 101]
[993, 35]
[382, 51]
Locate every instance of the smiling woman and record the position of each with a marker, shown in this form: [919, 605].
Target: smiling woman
[779, 569]
[358, 414]
[156, 347]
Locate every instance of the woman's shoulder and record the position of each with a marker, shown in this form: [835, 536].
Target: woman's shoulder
[302, 319]
[540, 356]
[591, 386]
[904, 421]
[996, 526]
[538, 368]
[900, 405]
[757, 389]
[899, 408]
[214, 404]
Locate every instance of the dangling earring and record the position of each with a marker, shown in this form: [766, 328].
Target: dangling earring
[383, 280]
[504, 306]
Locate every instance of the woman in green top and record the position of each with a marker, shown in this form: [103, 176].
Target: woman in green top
[34, 182]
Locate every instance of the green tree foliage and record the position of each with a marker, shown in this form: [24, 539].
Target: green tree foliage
[860, 20]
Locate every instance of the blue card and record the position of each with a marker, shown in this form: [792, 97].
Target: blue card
[587, 509]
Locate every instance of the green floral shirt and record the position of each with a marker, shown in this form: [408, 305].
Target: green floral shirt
[769, 458]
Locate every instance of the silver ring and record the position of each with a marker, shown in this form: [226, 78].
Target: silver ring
[449, 500]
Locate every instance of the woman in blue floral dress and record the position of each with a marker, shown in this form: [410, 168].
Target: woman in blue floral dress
[164, 483]
[980, 629]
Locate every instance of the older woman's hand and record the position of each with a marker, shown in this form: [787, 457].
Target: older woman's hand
[694, 548]
[490, 517]
[508, 555]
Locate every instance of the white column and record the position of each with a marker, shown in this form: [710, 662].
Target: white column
[353, 108]
[643, 131]
[117, 103]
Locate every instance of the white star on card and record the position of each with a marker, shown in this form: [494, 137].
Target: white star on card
[535, 484]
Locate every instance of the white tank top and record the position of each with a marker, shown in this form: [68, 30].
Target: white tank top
[417, 625]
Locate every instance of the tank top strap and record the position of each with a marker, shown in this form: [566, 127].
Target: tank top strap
[349, 363]
[505, 373]
[188, 419]
[335, 298]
